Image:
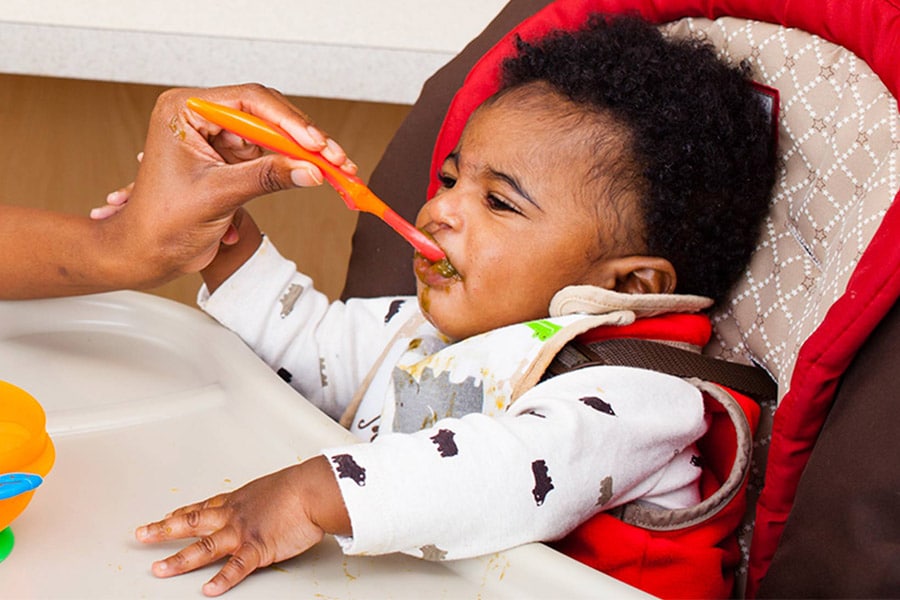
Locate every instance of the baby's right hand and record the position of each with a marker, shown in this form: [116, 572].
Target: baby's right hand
[270, 519]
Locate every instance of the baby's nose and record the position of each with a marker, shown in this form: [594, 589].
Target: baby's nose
[443, 211]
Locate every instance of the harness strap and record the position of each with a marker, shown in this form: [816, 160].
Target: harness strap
[751, 381]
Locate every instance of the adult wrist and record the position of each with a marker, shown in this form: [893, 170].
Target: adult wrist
[126, 257]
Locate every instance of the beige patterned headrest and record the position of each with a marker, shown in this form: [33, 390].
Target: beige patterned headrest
[840, 151]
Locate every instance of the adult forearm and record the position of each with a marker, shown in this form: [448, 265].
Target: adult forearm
[45, 253]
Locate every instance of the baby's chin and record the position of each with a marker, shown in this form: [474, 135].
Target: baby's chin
[444, 326]
[450, 328]
[423, 295]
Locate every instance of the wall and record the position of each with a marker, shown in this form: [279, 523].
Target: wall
[67, 143]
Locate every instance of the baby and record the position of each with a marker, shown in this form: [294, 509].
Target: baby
[613, 169]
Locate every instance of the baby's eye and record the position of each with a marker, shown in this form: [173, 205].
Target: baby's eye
[447, 181]
[499, 204]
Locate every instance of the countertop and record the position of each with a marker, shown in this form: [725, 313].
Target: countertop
[349, 49]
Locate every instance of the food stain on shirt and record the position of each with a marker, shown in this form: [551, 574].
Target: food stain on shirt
[424, 400]
[289, 298]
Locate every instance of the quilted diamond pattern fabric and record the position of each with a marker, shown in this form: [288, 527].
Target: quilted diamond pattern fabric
[839, 145]
[839, 141]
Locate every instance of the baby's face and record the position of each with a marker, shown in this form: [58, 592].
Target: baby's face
[519, 217]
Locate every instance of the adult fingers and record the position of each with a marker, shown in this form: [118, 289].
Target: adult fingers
[265, 175]
[233, 148]
[257, 100]
[276, 108]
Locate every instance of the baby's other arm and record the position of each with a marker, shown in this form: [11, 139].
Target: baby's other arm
[268, 520]
[234, 254]
[323, 349]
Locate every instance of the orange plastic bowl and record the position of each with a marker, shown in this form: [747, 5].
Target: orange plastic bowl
[24, 444]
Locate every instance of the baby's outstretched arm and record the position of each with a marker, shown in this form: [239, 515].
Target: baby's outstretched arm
[268, 520]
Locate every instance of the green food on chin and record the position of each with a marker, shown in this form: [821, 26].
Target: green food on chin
[447, 270]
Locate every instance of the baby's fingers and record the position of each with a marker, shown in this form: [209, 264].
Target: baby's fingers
[204, 551]
[115, 201]
[242, 563]
[121, 195]
[219, 499]
[183, 523]
[104, 212]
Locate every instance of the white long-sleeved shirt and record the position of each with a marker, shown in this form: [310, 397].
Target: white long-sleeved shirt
[470, 482]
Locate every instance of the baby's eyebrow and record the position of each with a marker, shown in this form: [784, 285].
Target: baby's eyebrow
[513, 182]
[454, 159]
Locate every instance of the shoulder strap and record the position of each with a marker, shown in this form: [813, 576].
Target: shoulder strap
[658, 356]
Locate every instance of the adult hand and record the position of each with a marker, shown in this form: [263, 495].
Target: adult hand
[193, 177]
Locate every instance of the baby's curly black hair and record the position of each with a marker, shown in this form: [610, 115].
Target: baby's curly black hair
[699, 134]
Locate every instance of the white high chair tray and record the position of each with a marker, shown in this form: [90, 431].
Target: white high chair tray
[151, 405]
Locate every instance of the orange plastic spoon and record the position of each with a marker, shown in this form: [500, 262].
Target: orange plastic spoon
[351, 188]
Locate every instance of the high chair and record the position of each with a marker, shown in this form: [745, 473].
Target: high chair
[814, 307]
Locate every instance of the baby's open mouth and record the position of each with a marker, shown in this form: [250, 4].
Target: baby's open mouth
[446, 269]
[435, 274]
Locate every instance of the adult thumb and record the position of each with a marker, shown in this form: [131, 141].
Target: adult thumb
[264, 175]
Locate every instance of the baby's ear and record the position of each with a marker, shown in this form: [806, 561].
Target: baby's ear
[644, 275]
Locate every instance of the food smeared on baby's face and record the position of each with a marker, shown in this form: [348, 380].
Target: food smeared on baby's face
[440, 274]
[444, 267]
